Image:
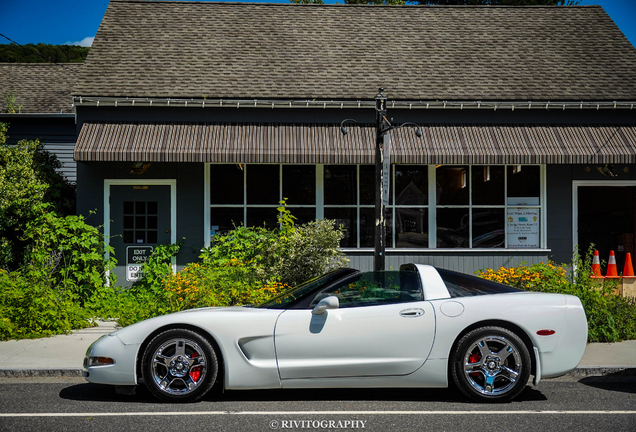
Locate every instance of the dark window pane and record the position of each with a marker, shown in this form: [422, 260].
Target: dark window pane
[348, 217]
[452, 228]
[223, 220]
[262, 216]
[303, 215]
[488, 228]
[152, 236]
[129, 237]
[226, 184]
[129, 222]
[367, 227]
[523, 185]
[389, 228]
[375, 288]
[340, 184]
[152, 207]
[488, 185]
[140, 236]
[263, 186]
[452, 185]
[299, 184]
[140, 222]
[129, 207]
[140, 207]
[462, 285]
[152, 222]
[367, 184]
[411, 185]
[411, 227]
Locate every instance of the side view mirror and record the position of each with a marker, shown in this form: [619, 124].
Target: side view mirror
[330, 302]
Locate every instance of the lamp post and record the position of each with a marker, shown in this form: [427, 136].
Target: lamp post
[382, 126]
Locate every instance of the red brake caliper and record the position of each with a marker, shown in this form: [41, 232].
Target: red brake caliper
[195, 372]
[474, 358]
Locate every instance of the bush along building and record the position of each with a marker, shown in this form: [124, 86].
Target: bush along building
[193, 117]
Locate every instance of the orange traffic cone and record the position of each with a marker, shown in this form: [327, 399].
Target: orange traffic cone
[628, 271]
[612, 272]
[596, 266]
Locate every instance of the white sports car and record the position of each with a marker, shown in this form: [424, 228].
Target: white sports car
[417, 327]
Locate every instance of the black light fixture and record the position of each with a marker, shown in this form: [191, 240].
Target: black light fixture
[344, 129]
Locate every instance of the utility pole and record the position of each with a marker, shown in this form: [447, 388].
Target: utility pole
[382, 125]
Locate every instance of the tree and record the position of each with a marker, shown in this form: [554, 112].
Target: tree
[42, 53]
[29, 186]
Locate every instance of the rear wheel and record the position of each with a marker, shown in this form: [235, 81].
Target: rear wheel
[179, 366]
[491, 364]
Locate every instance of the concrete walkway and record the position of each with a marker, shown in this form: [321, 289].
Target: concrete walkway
[63, 355]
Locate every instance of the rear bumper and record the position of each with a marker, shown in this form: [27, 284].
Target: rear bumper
[569, 350]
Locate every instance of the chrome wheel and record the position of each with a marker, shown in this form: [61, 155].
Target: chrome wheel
[179, 365]
[490, 364]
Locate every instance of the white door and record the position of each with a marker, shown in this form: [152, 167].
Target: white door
[355, 340]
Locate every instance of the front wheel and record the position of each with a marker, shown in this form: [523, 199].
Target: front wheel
[179, 366]
[491, 364]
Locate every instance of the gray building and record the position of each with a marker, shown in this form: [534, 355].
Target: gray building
[42, 94]
[193, 117]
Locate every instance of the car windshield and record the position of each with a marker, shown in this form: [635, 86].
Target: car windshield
[304, 289]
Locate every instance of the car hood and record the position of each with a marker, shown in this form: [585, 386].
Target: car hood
[200, 317]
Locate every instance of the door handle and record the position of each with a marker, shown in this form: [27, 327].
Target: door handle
[412, 313]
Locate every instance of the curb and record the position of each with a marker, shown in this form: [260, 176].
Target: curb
[29, 373]
[615, 371]
[587, 371]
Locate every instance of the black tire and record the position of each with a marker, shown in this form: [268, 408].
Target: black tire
[490, 364]
[179, 365]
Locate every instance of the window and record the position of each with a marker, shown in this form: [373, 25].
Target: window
[375, 288]
[443, 206]
[488, 206]
[140, 222]
[250, 194]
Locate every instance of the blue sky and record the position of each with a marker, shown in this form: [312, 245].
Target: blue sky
[77, 21]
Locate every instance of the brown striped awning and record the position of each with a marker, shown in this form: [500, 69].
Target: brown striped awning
[325, 144]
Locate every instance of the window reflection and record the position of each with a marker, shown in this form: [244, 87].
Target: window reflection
[411, 185]
[452, 185]
[452, 227]
[411, 227]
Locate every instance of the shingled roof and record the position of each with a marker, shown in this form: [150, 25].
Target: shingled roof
[240, 50]
[43, 88]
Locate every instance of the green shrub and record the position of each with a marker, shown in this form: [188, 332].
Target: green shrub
[79, 247]
[610, 317]
[33, 305]
[248, 265]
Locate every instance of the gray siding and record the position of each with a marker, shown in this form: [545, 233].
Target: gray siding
[463, 262]
[58, 134]
[64, 153]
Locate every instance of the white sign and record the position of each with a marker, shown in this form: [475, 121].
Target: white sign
[386, 170]
[136, 256]
[523, 228]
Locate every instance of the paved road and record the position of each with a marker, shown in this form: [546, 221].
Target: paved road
[58, 404]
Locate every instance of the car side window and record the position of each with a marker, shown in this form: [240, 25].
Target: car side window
[375, 288]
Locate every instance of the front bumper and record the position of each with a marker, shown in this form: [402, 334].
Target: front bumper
[122, 371]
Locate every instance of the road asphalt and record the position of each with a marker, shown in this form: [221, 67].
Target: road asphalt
[63, 355]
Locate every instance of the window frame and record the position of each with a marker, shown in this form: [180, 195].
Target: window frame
[431, 207]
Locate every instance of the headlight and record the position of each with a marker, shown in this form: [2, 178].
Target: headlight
[99, 361]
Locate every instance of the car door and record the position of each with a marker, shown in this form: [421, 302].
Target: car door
[382, 327]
